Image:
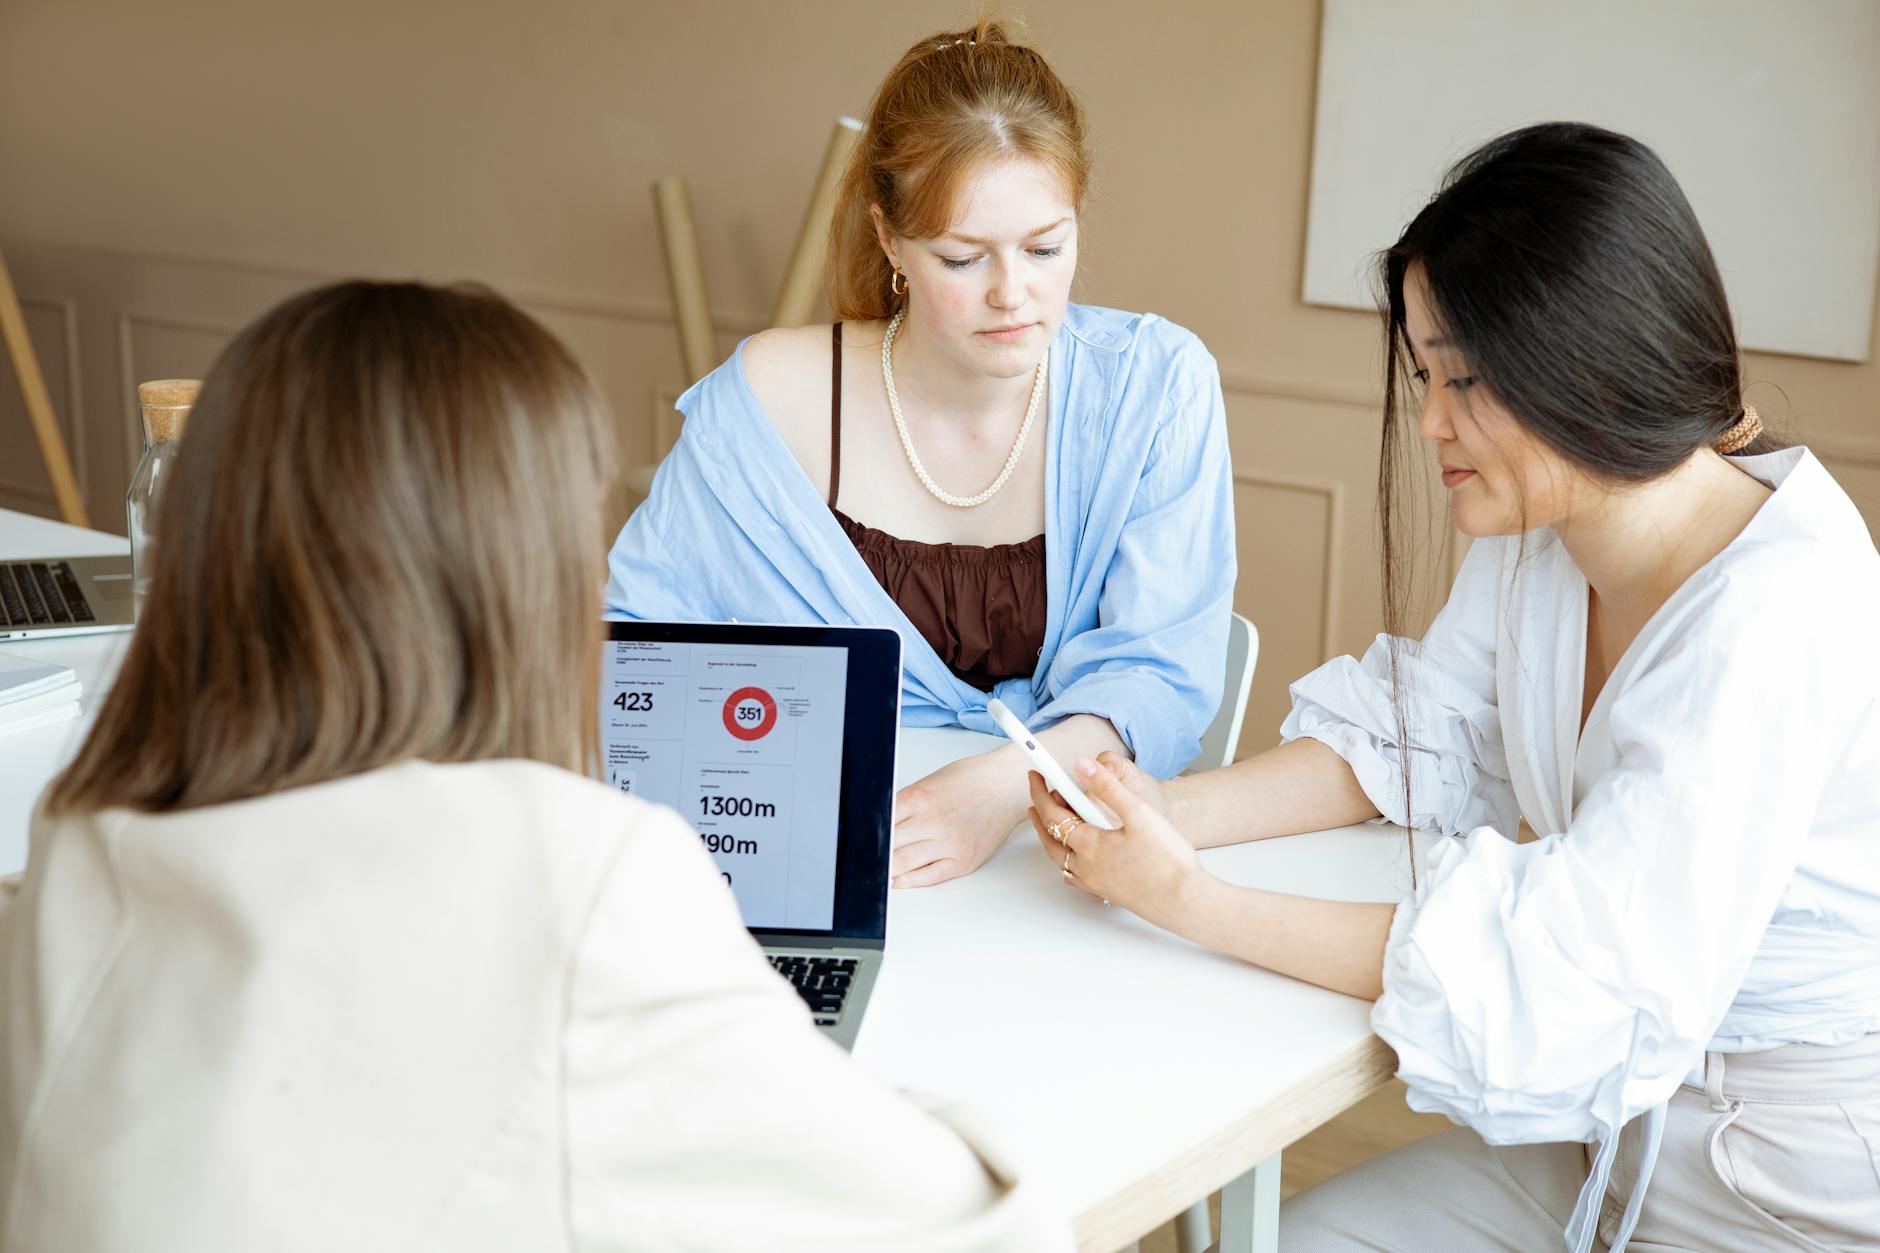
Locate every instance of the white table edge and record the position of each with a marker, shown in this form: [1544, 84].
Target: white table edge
[1162, 1193]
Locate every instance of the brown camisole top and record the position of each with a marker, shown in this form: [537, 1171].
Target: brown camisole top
[982, 608]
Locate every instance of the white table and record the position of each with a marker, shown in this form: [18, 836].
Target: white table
[1143, 1073]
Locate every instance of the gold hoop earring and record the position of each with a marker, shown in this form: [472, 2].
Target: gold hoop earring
[898, 277]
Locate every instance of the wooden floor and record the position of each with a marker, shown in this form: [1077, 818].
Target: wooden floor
[1380, 1121]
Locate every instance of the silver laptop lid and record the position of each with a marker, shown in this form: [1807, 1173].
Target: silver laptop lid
[50, 596]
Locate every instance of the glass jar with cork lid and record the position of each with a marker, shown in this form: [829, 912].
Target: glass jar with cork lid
[165, 405]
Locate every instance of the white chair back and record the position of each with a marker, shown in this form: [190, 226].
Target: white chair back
[1222, 737]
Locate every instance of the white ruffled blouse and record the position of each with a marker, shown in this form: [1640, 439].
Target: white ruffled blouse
[1708, 872]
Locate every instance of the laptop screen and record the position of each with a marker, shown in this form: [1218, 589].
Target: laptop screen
[769, 741]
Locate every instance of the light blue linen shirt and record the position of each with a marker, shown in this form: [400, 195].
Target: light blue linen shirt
[1139, 565]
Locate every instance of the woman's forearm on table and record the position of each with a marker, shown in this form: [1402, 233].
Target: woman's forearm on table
[1334, 944]
[1070, 741]
[1301, 786]
[1080, 736]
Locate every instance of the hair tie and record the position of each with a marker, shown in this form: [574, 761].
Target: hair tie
[1742, 434]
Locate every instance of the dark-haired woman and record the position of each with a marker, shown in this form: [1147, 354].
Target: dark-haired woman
[1659, 652]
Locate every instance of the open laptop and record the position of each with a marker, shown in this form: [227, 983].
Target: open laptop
[777, 744]
[48, 596]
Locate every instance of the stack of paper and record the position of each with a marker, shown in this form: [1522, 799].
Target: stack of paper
[35, 693]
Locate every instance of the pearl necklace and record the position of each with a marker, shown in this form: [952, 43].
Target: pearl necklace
[907, 441]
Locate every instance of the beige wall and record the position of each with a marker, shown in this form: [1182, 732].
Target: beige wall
[168, 170]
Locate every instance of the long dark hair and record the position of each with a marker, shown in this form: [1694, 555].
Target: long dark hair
[1566, 265]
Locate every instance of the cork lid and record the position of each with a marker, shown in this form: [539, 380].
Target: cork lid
[165, 404]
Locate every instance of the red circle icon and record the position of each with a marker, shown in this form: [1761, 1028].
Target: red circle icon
[750, 713]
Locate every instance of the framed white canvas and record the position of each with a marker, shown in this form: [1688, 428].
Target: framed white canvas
[1767, 111]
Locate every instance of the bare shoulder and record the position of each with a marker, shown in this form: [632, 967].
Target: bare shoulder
[788, 371]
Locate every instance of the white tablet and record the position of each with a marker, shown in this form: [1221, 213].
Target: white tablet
[1041, 759]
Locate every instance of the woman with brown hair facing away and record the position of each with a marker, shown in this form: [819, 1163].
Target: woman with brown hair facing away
[1035, 493]
[325, 943]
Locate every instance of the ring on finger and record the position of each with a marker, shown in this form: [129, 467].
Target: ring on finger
[1067, 861]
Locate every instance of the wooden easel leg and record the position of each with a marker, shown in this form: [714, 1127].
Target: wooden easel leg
[39, 404]
[803, 277]
[672, 205]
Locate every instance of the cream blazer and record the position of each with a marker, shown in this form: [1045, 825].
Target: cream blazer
[491, 1006]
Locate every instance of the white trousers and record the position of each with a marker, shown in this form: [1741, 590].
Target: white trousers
[1777, 1150]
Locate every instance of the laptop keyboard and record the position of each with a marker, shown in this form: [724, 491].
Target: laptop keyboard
[822, 982]
[41, 593]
